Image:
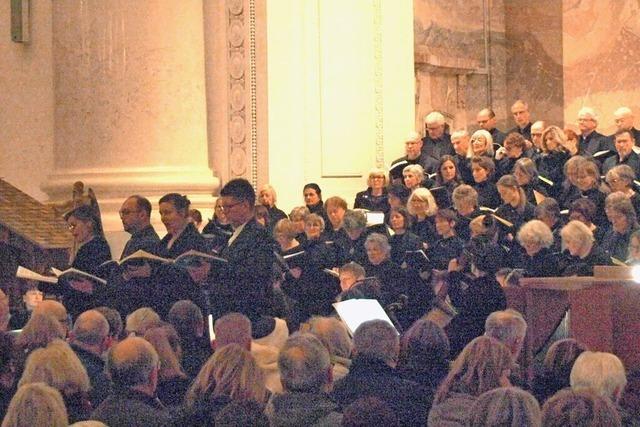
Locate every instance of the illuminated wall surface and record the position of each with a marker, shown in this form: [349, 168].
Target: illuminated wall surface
[161, 96]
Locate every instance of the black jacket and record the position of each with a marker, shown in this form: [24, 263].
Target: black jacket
[126, 408]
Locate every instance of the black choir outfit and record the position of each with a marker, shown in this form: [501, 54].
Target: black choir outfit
[538, 186]
[189, 239]
[525, 131]
[498, 136]
[632, 160]
[543, 263]
[429, 164]
[615, 244]
[436, 148]
[592, 143]
[401, 243]
[444, 250]
[570, 265]
[515, 216]
[146, 239]
[463, 164]
[366, 200]
[425, 229]
[216, 234]
[551, 166]
[488, 195]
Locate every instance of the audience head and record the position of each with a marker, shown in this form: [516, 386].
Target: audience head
[560, 359]
[601, 372]
[232, 372]
[166, 342]
[484, 364]
[57, 366]
[233, 328]
[508, 327]
[242, 413]
[305, 364]
[510, 192]
[297, 216]
[284, 232]
[36, 405]
[133, 362]
[398, 195]
[333, 334]
[261, 214]
[135, 214]
[91, 330]
[424, 339]
[369, 411]
[187, 319]
[537, 128]
[587, 175]
[141, 320]
[505, 406]
[624, 142]
[377, 339]
[56, 310]
[577, 408]
[115, 321]
[39, 331]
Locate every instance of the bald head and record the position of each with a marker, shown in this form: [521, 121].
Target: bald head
[4, 311]
[233, 328]
[52, 308]
[132, 362]
[486, 119]
[91, 328]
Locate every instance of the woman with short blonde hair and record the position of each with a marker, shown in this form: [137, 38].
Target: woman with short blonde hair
[375, 197]
[413, 176]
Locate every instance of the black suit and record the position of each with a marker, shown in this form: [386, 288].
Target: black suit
[244, 284]
[593, 143]
[437, 148]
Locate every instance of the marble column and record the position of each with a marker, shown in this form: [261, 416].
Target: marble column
[130, 102]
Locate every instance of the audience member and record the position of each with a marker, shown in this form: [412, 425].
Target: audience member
[242, 413]
[7, 371]
[115, 322]
[141, 320]
[57, 366]
[578, 408]
[556, 368]
[36, 405]
[89, 339]
[375, 348]
[231, 374]
[510, 328]
[306, 375]
[187, 319]
[369, 411]
[483, 365]
[5, 313]
[505, 406]
[335, 337]
[132, 365]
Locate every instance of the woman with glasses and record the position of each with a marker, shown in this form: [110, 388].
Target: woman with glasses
[374, 198]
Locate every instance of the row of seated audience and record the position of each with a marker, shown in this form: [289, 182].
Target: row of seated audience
[54, 374]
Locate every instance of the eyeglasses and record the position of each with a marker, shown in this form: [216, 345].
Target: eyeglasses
[229, 206]
[125, 212]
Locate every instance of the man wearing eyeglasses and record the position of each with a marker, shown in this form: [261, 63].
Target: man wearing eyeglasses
[591, 141]
[437, 141]
[135, 214]
[244, 284]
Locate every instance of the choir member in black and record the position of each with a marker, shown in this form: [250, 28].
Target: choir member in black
[268, 198]
[515, 207]
[550, 164]
[262, 216]
[422, 206]
[483, 169]
[548, 211]
[465, 202]
[522, 117]
[460, 142]
[402, 239]
[218, 230]
[350, 245]
[621, 178]
[571, 142]
[335, 207]
[507, 156]
[447, 179]
[297, 216]
[623, 220]
[449, 246]
[481, 144]
[634, 249]
[588, 182]
[569, 191]
[486, 119]
[584, 210]
[413, 177]
[413, 156]
[581, 253]
[436, 142]
[375, 197]
[182, 236]
[313, 200]
[534, 254]
[285, 234]
[624, 143]
[474, 291]
[135, 215]
[93, 250]
[526, 174]
[315, 290]
[394, 281]
[591, 141]
[398, 196]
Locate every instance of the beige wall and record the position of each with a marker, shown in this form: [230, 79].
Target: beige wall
[340, 92]
[26, 100]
